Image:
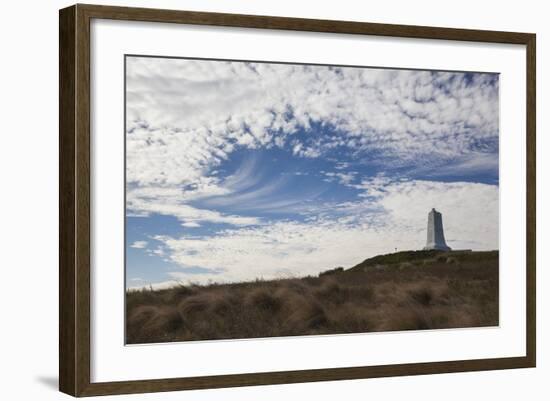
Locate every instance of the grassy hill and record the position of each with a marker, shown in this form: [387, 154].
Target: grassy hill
[409, 290]
[420, 258]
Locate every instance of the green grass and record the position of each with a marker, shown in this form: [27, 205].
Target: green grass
[416, 257]
[401, 291]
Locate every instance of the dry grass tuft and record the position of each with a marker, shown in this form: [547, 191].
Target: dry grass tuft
[264, 300]
[424, 295]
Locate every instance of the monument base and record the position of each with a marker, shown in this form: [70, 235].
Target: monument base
[436, 248]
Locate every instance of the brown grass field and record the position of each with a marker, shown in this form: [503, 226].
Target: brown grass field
[412, 290]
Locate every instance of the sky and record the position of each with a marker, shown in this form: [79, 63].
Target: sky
[237, 171]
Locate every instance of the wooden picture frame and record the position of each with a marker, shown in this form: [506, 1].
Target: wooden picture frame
[74, 199]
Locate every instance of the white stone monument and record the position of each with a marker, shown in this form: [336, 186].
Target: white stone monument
[436, 238]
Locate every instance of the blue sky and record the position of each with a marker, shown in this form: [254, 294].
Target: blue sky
[237, 171]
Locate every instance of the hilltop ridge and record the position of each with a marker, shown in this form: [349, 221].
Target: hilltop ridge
[422, 257]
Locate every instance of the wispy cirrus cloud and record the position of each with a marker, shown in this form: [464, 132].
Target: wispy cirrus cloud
[474, 163]
[173, 205]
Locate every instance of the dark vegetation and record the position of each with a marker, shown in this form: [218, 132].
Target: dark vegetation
[401, 291]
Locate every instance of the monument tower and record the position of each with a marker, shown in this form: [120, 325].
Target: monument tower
[436, 238]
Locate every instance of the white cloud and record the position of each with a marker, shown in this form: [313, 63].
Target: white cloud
[171, 202]
[138, 244]
[186, 116]
[342, 178]
[190, 224]
[470, 214]
[342, 165]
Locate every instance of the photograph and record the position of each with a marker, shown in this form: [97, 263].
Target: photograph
[271, 199]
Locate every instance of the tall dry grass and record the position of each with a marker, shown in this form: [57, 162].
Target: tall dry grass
[439, 291]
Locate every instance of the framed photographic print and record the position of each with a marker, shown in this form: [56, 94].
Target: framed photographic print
[251, 200]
